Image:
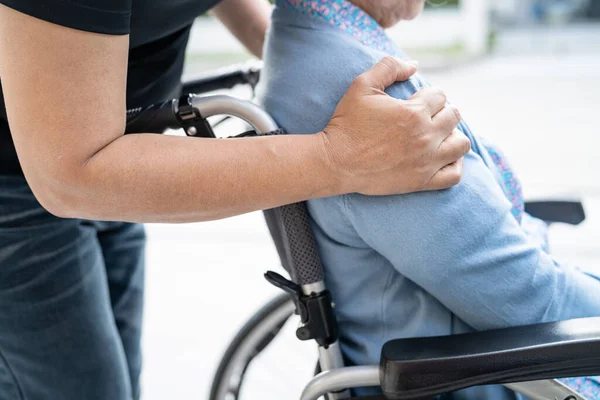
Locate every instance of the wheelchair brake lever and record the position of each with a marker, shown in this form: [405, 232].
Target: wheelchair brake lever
[284, 284]
[291, 288]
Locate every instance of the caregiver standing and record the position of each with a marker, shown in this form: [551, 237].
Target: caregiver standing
[71, 286]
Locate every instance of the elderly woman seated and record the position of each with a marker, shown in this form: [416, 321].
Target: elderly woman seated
[422, 264]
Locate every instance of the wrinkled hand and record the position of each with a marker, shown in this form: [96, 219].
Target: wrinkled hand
[381, 145]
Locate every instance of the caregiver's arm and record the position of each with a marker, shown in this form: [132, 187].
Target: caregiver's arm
[65, 99]
[247, 20]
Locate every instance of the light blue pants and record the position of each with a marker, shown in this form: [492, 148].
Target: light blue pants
[71, 300]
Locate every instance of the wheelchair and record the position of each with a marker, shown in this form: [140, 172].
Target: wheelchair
[525, 359]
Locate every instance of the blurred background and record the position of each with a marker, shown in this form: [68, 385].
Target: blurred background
[524, 73]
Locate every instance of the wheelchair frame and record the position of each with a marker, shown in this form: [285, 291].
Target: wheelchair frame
[307, 292]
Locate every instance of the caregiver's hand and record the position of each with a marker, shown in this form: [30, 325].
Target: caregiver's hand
[381, 145]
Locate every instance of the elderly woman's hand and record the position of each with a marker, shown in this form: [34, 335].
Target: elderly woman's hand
[381, 145]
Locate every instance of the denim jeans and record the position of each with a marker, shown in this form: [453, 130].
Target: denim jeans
[71, 300]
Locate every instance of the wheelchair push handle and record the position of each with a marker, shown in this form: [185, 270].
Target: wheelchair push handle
[152, 119]
[181, 113]
[190, 112]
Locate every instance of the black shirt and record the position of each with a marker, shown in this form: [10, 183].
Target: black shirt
[158, 29]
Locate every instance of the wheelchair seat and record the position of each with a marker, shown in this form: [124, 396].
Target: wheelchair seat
[420, 367]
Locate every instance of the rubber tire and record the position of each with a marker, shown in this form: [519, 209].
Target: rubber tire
[241, 336]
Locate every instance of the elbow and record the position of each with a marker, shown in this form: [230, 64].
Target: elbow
[56, 202]
[57, 206]
[57, 193]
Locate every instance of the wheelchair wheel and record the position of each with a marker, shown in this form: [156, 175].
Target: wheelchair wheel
[265, 360]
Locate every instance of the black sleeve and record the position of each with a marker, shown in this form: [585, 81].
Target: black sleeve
[100, 16]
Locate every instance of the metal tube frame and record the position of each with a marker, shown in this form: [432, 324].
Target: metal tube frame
[543, 390]
[336, 379]
[209, 106]
[340, 379]
[330, 357]
[343, 378]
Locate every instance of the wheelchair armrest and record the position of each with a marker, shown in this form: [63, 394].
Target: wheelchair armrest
[421, 367]
[568, 212]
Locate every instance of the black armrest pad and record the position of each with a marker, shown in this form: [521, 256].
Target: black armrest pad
[568, 212]
[419, 367]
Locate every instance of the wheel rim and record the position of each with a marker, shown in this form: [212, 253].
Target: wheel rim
[233, 376]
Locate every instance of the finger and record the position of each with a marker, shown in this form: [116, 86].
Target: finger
[453, 148]
[446, 177]
[433, 98]
[447, 118]
[387, 71]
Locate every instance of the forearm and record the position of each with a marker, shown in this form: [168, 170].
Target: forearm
[247, 20]
[154, 178]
